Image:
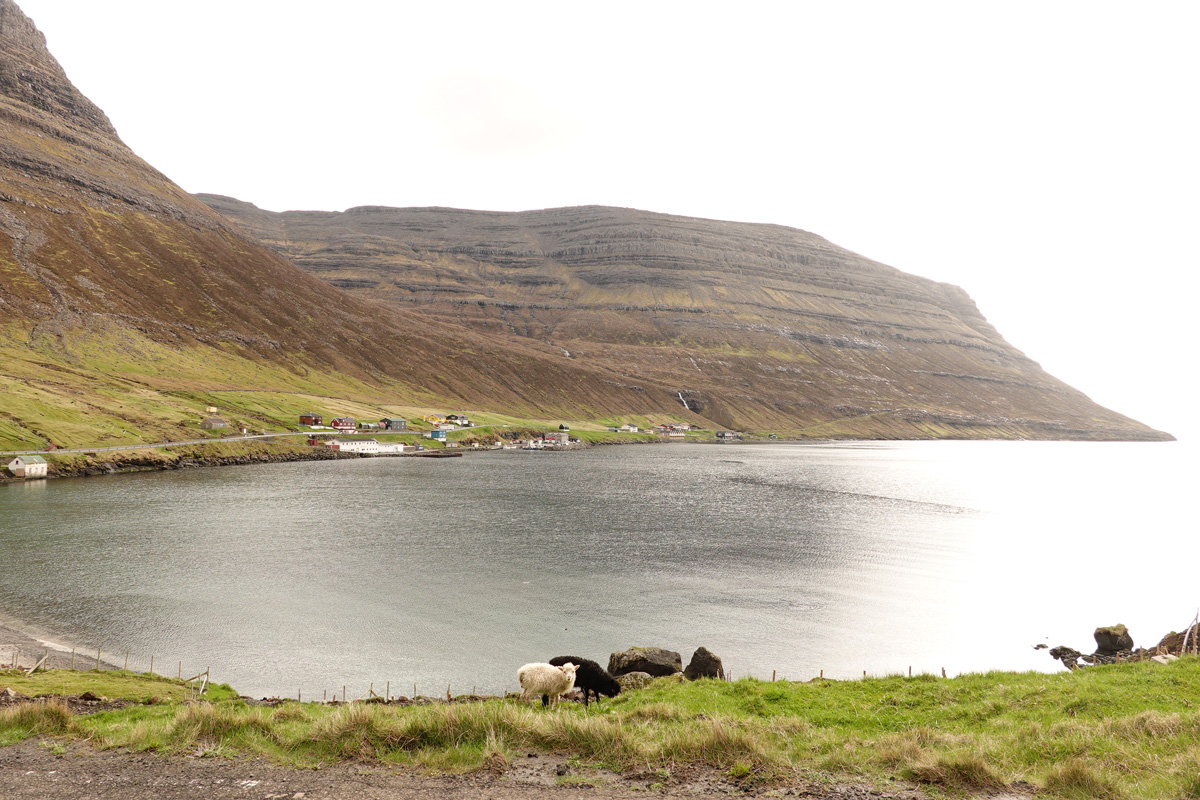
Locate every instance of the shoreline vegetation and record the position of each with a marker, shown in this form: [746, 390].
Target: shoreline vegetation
[280, 448]
[1124, 731]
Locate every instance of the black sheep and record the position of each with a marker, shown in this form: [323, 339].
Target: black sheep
[590, 677]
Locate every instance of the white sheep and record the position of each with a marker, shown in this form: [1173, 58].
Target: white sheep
[546, 680]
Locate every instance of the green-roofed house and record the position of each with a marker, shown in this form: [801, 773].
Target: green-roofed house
[394, 423]
[28, 467]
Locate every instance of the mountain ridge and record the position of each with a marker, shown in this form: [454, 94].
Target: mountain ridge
[127, 306]
[775, 311]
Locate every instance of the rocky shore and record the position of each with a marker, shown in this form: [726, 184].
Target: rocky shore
[22, 647]
[79, 465]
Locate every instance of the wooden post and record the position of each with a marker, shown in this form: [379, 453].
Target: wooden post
[388, 692]
[343, 692]
[943, 672]
[151, 665]
[297, 695]
[72, 658]
[864, 673]
[97, 658]
[772, 676]
[126, 661]
[180, 675]
[324, 695]
[910, 670]
[822, 674]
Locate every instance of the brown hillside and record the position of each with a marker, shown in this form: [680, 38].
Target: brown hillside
[112, 276]
[754, 325]
[126, 305]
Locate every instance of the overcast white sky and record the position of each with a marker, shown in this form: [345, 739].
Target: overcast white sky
[1042, 155]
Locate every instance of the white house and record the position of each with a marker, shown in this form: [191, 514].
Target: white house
[28, 467]
[629, 428]
[354, 445]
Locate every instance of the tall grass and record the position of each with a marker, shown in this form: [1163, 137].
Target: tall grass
[1114, 732]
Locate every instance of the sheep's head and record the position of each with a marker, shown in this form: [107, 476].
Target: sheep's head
[569, 669]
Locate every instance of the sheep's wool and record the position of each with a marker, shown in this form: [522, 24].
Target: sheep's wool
[545, 679]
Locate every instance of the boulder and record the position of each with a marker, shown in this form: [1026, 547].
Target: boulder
[634, 680]
[651, 660]
[704, 665]
[1067, 655]
[1112, 640]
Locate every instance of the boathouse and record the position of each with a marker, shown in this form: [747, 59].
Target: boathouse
[28, 467]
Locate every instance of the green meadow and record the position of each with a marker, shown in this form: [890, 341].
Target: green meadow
[1124, 731]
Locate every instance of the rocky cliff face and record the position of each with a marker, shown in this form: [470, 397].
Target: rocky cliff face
[749, 325]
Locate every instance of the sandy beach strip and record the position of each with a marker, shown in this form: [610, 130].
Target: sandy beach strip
[28, 645]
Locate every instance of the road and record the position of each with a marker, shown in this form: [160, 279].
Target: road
[151, 446]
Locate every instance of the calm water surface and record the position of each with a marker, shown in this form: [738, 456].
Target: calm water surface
[788, 558]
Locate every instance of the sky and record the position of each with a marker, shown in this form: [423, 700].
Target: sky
[1044, 156]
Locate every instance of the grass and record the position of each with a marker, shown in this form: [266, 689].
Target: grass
[1127, 731]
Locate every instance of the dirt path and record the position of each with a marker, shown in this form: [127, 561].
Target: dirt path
[38, 770]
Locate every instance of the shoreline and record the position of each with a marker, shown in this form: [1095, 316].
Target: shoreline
[30, 643]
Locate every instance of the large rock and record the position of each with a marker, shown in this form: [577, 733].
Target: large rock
[1112, 640]
[651, 660]
[704, 665]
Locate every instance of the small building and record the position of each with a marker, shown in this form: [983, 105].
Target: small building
[343, 424]
[355, 445]
[728, 436]
[459, 419]
[438, 435]
[627, 428]
[311, 419]
[370, 426]
[564, 427]
[559, 438]
[213, 423]
[394, 424]
[28, 467]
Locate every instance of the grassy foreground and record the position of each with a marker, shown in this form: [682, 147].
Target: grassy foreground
[1126, 731]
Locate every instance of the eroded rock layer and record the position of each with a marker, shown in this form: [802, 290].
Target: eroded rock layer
[750, 325]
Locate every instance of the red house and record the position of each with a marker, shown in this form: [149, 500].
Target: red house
[344, 424]
[310, 419]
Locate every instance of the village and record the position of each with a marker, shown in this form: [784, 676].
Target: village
[430, 435]
[441, 427]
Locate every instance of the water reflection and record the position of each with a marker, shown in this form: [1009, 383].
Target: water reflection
[840, 557]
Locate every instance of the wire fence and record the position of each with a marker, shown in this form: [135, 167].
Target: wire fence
[29, 659]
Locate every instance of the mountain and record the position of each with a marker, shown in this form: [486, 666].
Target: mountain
[758, 326]
[128, 306]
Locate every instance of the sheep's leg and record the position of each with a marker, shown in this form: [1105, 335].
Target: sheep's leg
[545, 700]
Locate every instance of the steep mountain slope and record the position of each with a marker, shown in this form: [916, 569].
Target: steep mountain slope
[127, 306]
[752, 325]
[124, 300]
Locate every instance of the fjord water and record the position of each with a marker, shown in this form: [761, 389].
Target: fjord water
[792, 558]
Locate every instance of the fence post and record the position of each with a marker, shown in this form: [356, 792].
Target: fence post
[97, 658]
